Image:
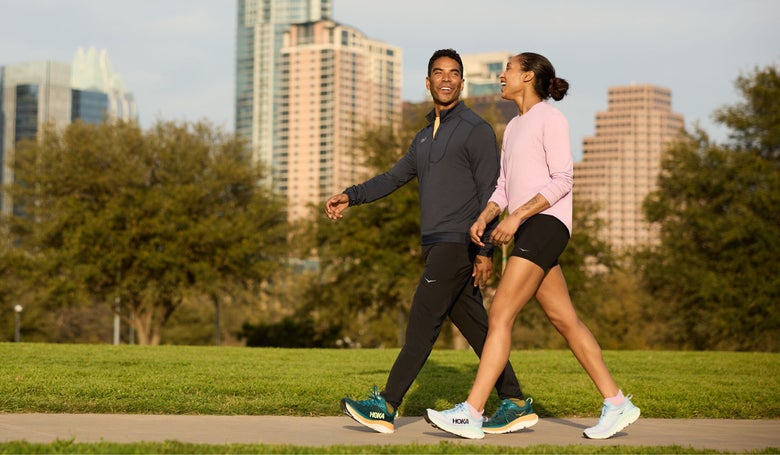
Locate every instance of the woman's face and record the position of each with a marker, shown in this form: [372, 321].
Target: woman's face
[514, 79]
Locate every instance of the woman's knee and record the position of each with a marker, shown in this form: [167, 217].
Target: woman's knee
[566, 324]
[500, 320]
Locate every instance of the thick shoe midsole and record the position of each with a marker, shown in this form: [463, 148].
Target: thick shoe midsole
[515, 425]
[382, 426]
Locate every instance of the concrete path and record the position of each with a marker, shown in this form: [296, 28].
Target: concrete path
[723, 435]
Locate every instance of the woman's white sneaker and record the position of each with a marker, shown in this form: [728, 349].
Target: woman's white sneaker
[457, 421]
[613, 419]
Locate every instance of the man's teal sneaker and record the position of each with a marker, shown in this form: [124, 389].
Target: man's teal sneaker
[371, 412]
[511, 417]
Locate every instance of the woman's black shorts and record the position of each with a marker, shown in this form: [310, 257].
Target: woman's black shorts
[541, 239]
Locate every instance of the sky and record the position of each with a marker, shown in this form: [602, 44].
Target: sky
[177, 56]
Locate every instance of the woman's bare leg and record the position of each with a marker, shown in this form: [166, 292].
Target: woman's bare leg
[553, 296]
[519, 283]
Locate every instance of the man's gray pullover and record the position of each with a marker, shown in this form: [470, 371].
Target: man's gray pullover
[457, 172]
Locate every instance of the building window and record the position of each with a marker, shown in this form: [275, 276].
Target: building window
[26, 112]
[88, 106]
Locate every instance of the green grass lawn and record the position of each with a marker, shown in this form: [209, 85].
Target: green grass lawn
[310, 382]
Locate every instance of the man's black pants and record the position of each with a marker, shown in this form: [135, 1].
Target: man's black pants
[445, 289]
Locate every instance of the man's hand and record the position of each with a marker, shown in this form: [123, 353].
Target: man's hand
[483, 268]
[335, 206]
[476, 231]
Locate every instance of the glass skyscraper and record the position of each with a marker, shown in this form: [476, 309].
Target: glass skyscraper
[98, 83]
[260, 29]
[33, 94]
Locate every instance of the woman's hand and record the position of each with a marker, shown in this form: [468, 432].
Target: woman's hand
[505, 231]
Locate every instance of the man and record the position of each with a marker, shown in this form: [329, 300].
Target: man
[456, 161]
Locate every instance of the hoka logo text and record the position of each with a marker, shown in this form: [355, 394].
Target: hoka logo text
[376, 415]
[460, 421]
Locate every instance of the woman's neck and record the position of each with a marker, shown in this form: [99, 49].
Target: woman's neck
[525, 103]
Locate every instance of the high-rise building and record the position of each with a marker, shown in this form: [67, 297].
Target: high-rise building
[305, 87]
[335, 81]
[260, 29]
[34, 94]
[621, 162]
[91, 70]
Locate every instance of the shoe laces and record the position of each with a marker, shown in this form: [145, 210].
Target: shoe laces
[507, 404]
[606, 407]
[373, 398]
[460, 408]
[503, 408]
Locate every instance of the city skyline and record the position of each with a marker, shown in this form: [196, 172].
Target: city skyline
[178, 56]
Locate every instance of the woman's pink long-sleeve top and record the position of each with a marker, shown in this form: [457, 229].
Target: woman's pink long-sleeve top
[536, 159]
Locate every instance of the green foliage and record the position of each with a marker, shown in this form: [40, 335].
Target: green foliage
[715, 270]
[755, 122]
[370, 259]
[147, 218]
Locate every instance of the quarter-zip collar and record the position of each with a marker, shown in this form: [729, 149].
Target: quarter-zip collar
[444, 113]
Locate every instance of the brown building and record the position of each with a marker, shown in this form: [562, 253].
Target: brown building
[334, 81]
[621, 163]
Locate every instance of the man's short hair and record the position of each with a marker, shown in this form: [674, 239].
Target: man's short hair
[451, 53]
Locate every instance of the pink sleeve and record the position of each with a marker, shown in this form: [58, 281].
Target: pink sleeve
[558, 155]
[499, 196]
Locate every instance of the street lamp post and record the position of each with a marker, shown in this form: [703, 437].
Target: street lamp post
[18, 330]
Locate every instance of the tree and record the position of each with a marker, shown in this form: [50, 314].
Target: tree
[110, 212]
[369, 260]
[755, 122]
[714, 274]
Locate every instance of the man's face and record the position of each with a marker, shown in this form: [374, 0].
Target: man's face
[445, 82]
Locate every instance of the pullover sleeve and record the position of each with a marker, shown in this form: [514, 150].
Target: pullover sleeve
[383, 184]
[483, 154]
[559, 160]
[500, 196]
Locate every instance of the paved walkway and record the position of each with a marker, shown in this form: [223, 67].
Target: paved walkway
[723, 435]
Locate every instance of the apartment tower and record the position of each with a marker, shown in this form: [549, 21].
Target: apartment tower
[621, 162]
[305, 86]
[334, 82]
[261, 25]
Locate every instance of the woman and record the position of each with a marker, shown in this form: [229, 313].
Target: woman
[535, 186]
